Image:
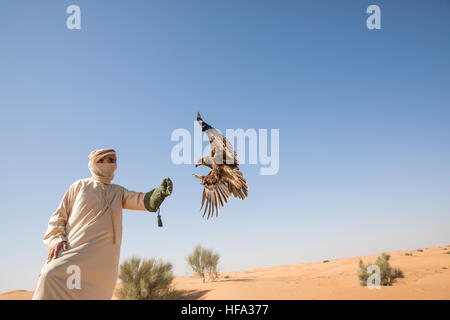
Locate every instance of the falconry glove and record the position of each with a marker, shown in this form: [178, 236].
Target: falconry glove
[154, 198]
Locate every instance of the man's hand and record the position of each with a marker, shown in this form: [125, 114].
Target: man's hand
[54, 252]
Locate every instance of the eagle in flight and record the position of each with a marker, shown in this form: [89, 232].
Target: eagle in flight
[224, 179]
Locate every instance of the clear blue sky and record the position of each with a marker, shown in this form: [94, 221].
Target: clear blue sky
[363, 117]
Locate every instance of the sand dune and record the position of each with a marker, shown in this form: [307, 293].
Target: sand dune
[16, 295]
[427, 276]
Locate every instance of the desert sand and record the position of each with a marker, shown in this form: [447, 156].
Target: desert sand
[427, 276]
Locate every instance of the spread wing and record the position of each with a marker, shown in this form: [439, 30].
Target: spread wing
[220, 184]
[215, 195]
[237, 185]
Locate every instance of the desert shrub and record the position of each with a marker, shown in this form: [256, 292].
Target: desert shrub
[227, 277]
[326, 261]
[146, 279]
[444, 268]
[408, 254]
[388, 275]
[419, 250]
[448, 252]
[204, 262]
[445, 248]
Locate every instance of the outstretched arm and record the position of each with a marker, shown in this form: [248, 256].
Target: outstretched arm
[149, 201]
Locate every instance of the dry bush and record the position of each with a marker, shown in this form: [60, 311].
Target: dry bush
[204, 262]
[388, 275]
[146, 279]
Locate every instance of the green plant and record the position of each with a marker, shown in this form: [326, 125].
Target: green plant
[146, 279]
[388, 275]
[408, 254]
[204, 261]
[448, 252]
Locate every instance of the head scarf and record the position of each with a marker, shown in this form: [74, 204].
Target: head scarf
[102, 172]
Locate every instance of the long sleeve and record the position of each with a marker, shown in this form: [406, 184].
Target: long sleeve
[133, 200]
[56, 229]
[149, 201]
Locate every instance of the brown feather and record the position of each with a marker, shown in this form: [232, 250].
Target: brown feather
[217, 202]
[206, 207]
[203, 199]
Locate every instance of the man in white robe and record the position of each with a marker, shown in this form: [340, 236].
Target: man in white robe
[85, 233]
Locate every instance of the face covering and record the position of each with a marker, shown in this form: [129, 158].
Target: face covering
[102, 172]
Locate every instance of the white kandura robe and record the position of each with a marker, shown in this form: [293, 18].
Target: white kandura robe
[94, 236]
